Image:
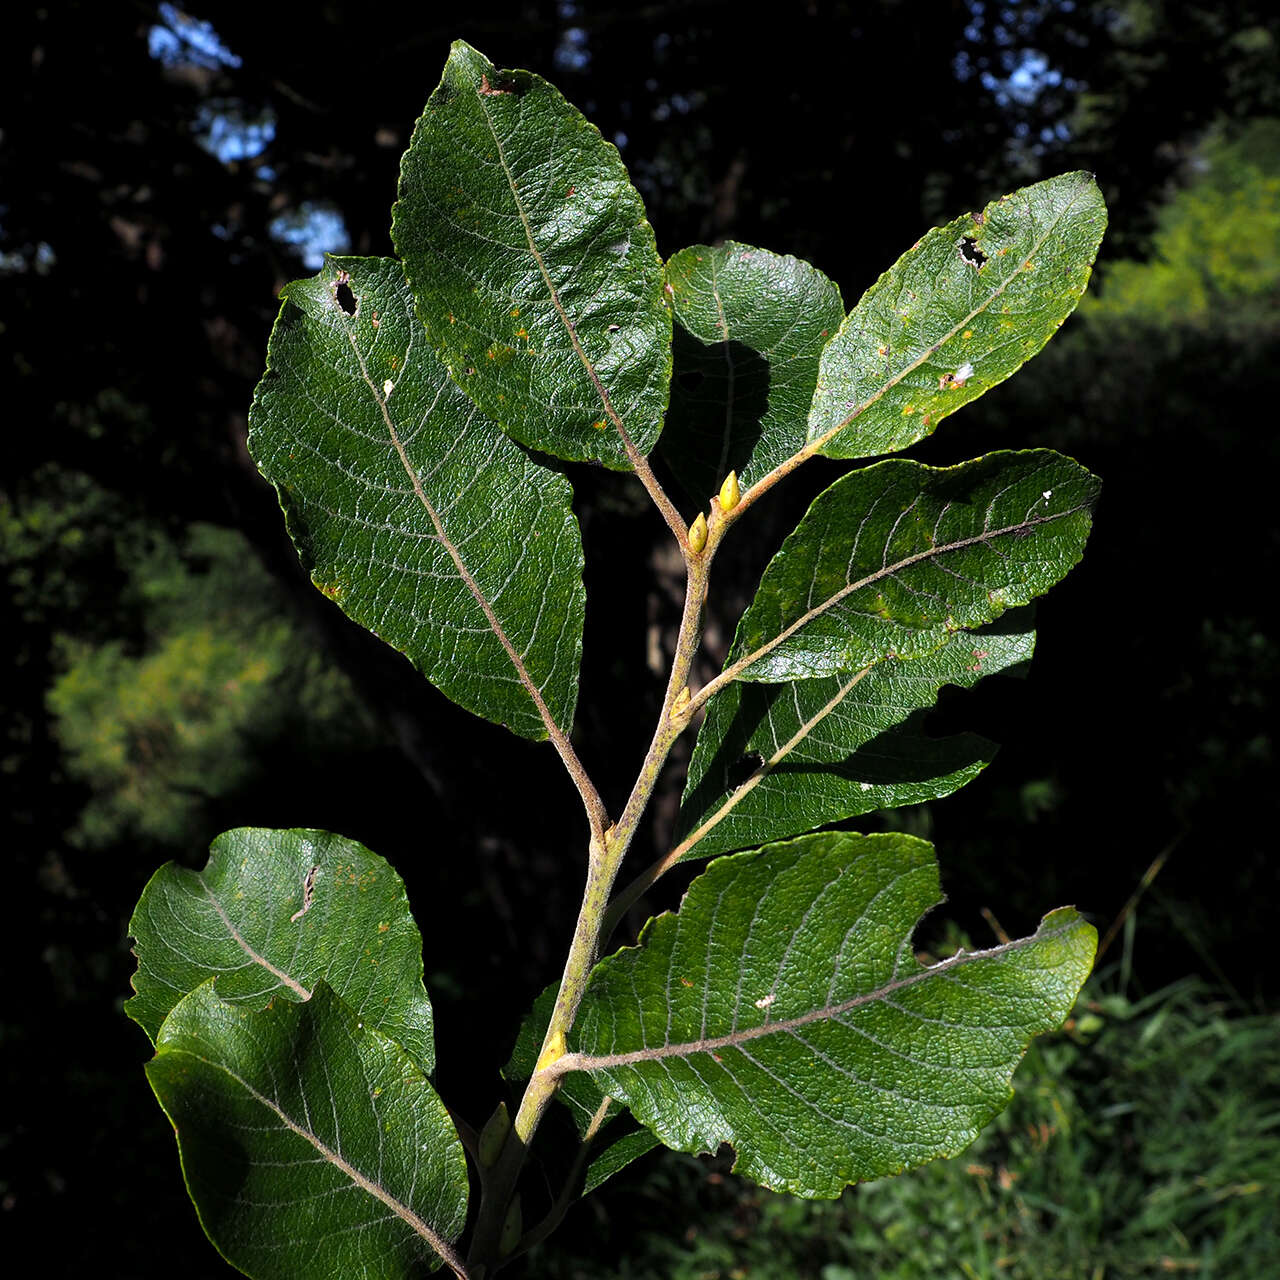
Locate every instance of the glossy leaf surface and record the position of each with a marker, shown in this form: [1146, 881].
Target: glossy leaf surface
[272, 914]
[311, 1144]
[750, 327]
[411, 510]
[783, 1011]
[776, 760]
[535, 271]
[892, 560]
[958, 313]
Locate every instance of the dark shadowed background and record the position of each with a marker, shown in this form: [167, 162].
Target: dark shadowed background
[171, 672]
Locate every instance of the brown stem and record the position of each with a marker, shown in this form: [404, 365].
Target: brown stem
[605, 859]
[646, 879]
[651, 483]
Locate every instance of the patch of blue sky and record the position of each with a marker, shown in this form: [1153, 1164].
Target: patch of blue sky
[180, 39]
[224, 130]
[312, 230]
[1029, 75]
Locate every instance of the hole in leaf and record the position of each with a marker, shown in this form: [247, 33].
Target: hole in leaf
[503, 82]
[970, 252]
[743, 769]
[345, 298]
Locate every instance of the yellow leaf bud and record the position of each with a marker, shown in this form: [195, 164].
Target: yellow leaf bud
[698, 533]
[730, 494]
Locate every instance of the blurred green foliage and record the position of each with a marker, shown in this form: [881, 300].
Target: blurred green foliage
[1140, 1143]
[1215, 252]
[158, 731]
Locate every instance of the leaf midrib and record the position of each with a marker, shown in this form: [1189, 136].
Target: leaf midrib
[604, 1062]
[522, 672]
[747, 660]
[401, 1210]
[929, 352]
[815, 445]
[570, 328]
[741, 793]
[292, 983]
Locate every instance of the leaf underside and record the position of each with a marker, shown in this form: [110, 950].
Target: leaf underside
[411, 510]
[311, 1144]
[783, 1011]
[893, 560]
[859, 744]
[272, 914]
[535, 271]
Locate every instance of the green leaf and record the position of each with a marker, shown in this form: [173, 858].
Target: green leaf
[274, 913]
[535, 271]
[775, 760]
[616, 1156]
[410, 510]
[892, 560]
[782, 1011]
[311, 1144]
[750, 327]
[956, 314]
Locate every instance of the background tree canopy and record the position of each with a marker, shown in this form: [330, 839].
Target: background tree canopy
[165, 171]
